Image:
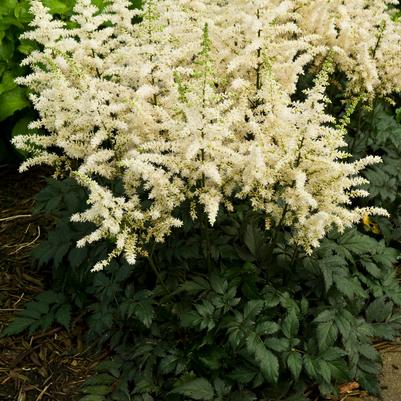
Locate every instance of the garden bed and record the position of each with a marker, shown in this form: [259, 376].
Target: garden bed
[49, 365]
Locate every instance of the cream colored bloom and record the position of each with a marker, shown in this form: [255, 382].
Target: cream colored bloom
[194, 105]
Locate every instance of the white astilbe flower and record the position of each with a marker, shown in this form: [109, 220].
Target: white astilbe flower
[363, 37]
[193, 104]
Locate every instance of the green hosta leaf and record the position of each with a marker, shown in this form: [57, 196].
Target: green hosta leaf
[63, 315]
[12, 101]
[197, 389]
[17, 326]
[294, 362]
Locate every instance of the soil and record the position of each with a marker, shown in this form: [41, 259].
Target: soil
[51, 366]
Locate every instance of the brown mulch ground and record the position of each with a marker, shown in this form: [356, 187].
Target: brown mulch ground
[46, 366]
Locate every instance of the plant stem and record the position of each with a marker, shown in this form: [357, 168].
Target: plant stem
[157, 272]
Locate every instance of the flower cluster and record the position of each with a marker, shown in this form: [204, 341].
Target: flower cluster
[194, 104]
[364, 38]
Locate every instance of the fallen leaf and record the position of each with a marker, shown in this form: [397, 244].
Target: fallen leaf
[348, 387]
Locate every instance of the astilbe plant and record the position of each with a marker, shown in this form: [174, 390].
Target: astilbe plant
[195, 117]
[194, 105]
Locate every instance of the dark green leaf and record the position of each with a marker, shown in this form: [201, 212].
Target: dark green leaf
[197, 389]
[294, 362]
[63, 315]
[17, 326]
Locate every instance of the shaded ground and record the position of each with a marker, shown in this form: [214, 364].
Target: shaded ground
[51, 366]
[46, 366]
[391, 376]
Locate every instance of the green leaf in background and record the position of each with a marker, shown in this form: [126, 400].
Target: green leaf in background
[7, 82]
[12, 101]
[58, 7]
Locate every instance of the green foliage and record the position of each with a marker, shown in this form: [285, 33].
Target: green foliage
[232, 313]
[47, 308]
[260, 319]
[378, 132]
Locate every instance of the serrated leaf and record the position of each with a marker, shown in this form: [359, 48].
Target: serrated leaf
[242, 375]
[327, 315]
[277, 344]
[294, 362]
[368, 351]
[344, 285]
[371, 268]
[354, 242]
[327, 274]
[332, 354]
[144, 312]
[197, 389]
[50, 297]
[378, 310]
[324, 370]
[253, 238]
[290, 325]
[17, 326]
[218, 284]
[253, 308]
[326, 334]
[266, 360]
[63, 315]
[266, 328]
[310, 366]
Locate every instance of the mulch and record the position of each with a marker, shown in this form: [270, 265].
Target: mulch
[49, 365]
